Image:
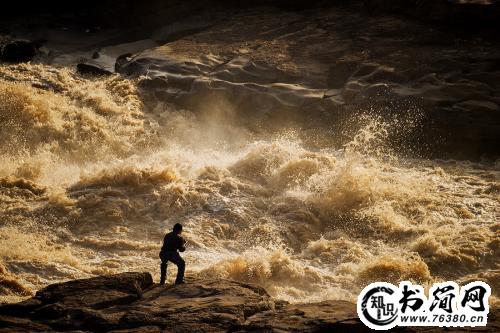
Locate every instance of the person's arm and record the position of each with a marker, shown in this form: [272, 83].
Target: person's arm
[163, 243]
[181, 244]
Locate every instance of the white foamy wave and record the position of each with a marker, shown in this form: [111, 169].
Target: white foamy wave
[92, 178]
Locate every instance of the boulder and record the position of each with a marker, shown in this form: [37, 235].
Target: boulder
[18, 51]
[122, 60]
[100, 64]
[93, 67]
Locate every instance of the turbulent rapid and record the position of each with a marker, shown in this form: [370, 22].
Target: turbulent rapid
[92, 175]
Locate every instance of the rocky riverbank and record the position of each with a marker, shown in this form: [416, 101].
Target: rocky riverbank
[131, 302]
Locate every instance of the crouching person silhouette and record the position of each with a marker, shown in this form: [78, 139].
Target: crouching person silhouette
[172, 242]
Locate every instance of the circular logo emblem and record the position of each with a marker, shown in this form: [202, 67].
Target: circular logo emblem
[378, 305]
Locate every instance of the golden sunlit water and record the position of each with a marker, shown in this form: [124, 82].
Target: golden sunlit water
[92, 177]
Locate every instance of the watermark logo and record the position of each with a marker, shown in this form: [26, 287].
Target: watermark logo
[377, 305]
[382, 305]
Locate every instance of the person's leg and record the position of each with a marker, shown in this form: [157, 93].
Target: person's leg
[163, 271]
[181, 266]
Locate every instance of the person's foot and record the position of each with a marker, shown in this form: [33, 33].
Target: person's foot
[162, 283]
[179, 282]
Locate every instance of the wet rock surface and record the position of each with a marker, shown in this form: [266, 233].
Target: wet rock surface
[131, 302]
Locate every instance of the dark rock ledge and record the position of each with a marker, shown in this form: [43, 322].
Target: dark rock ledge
[131, 302]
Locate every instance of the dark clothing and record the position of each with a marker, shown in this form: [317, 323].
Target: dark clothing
[176, 259]
[171, 243]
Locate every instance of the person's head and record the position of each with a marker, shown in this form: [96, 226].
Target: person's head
[177, 228]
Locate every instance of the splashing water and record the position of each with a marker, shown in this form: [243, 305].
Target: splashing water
[92, 177]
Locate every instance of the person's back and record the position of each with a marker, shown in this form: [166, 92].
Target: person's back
[172, 242]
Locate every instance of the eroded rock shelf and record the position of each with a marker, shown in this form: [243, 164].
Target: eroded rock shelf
[131, 302]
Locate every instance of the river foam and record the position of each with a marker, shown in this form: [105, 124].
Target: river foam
[93, 176]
